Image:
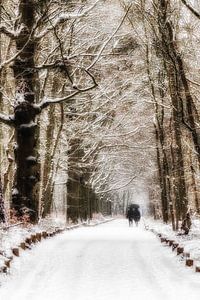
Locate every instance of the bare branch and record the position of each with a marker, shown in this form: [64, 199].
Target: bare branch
[117, 188]
[7, 32]
[191, 9]
[63, 18]
[109, 39]
[47, 101]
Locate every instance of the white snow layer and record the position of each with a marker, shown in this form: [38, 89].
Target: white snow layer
[107, 262]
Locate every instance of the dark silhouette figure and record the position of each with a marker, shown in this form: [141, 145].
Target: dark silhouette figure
[133, 213]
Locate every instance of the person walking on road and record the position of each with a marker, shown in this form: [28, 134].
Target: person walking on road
[133, 213]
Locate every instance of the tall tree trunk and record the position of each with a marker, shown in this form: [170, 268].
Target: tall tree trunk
[25, 192]
[163, 170]
[74, 181]
[2, 206]
[169, 53]
[47, 199]
[47, 166]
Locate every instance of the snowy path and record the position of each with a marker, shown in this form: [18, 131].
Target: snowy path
[107, 262]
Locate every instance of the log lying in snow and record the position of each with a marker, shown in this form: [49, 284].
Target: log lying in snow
[189, 262]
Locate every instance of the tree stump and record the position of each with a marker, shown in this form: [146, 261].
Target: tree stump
[15, 251]
[189, 262]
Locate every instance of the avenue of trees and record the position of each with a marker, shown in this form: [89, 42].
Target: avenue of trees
[99, 107]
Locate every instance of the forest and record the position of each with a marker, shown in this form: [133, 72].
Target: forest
[99, 108]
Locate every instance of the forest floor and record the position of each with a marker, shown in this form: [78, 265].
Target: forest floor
[108, 262]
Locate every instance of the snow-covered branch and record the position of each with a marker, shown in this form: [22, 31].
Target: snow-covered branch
[6, 119]
[65, 17]
[117, 187]
[13, 34]
[6, 31]
[108, 40]
[47, 101]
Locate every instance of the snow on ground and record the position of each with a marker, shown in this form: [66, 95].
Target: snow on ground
[107, 262]
[190, 242]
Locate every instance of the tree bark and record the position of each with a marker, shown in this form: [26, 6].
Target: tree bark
[167, 48]
[25, 191]
[2, 206]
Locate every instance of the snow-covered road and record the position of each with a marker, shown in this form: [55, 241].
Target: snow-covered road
[107, 262]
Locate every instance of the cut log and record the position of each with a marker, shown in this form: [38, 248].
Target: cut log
[7, 262]
[171, 242]
[3, 269]
[23, 245]
[44, 234]
[39, 236]
[189, 262]
[28, 246]
[186, 254]
[15, 251]
[33, 238]
[28, 241]
[180, 250]
[197, 269]
[174, 246]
